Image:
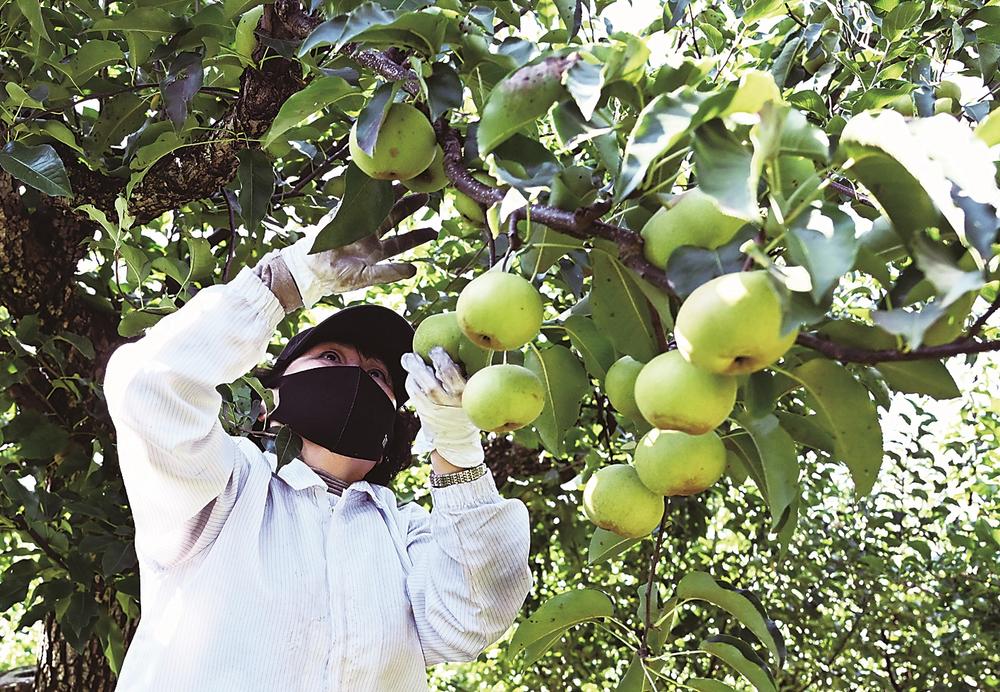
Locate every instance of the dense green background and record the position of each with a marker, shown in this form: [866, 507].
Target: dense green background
[151, 149]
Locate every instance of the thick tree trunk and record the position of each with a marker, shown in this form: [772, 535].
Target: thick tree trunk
[61, 669]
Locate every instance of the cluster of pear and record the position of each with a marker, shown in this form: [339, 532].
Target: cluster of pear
[495, 312]
[728, 326]
[405, 149]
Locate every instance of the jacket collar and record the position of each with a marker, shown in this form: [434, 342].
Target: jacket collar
[297, 475]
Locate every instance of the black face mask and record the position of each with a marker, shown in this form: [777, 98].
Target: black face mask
[338, 407]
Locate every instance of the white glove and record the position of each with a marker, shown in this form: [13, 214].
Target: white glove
[351, 267]
[436, 394]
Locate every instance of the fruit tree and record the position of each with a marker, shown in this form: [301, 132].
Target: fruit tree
[693, 257]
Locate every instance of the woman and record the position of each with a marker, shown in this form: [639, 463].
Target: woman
[308, 577]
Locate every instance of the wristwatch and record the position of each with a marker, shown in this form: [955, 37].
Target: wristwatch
[442, 480]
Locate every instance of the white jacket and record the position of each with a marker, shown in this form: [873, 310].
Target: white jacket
[253, 580]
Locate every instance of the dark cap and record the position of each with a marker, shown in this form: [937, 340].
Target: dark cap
[374, 330]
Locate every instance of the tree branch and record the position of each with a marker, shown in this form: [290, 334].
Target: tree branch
[853, 354]
[581, 223]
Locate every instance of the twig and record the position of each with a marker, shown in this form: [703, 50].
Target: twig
[979, 323]
[643, 646]
[661, 336]
[794, 16]
[335, 157]
[694, 38]
[852, 354]
[230, 199]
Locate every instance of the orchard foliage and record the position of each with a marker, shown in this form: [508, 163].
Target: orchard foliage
[846, 151]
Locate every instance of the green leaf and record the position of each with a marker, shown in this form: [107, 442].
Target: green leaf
[823, 242]
[555, 616]
[120, 116]
[135, 322]
[202, 261]
[256, 177]
[371, 117]
[365, 205]
[780, 462]
[16, 580]
[597, 351]
[708, 685]
[287, 446]
[900, 18]
[919, 169]
[660, 126]
[319, 94]
[539, 255]
[235, 8]
[929, 377]
[114, 646]
[92, 56]
[422, 31]
[846, 411]
[149, 20]
[620, 309]
[806, 431]
[566, 384]
[521, 98]
[179, 87]
[739, 656]
[584, 81]
[19, 98]
[571, 14]
[689, 266]
[762, 9]
[146, 156]
[38, 166]
[444, 90]
[739, 603]
[725, 170]
[33, 13]
[605, 545]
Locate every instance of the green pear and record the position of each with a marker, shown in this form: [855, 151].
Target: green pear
[616, 500]
[672, 394]
[944, 105]
[438, 330]
[732, 324]
[693, 219]
[472, 357]
[671, 462]
[501, 398]
[902, 104]
[470, 209]
[950, 90]
[404, 147]
[619, 385]
[432, 178]
[499, 311]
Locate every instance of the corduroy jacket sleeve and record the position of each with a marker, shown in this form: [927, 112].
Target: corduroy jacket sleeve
[470, 571]
[175, 457]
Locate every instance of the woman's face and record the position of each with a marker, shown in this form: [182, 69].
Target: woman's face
[334, 354]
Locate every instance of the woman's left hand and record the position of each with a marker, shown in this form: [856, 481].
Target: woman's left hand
[436, 394]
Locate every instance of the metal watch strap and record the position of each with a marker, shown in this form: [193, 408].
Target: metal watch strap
[442, 480]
